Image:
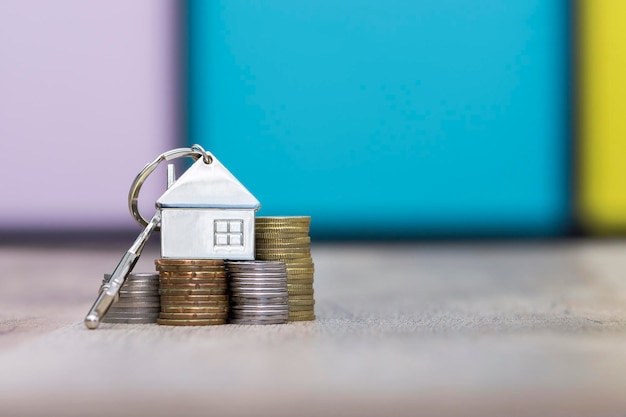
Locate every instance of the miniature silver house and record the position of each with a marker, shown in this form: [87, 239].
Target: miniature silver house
[207, 214]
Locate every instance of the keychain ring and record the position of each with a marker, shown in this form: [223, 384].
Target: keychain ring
[195, 152]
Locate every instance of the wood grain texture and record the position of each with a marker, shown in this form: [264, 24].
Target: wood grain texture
[482, 329]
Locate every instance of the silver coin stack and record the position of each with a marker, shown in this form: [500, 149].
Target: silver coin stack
[139, 299]
[258, 292]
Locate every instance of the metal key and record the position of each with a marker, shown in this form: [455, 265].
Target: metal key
[110, 291]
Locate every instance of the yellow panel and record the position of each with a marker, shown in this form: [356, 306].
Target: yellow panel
[603, 111]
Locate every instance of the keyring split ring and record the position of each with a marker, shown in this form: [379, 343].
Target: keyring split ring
[195, 152]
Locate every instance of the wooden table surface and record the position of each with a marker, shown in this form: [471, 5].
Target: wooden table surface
[480, 329]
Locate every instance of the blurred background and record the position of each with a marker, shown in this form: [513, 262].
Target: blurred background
[381, 120]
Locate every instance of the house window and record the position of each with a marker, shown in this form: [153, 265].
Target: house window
[228, 232]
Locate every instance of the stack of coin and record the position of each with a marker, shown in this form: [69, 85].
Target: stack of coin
[258, 292]
[287, 239]
[139, 299]
[194, 292]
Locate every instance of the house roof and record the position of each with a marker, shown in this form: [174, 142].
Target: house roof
[208, 186]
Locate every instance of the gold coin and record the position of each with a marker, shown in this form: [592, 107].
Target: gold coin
[189, 291]
[278, 251]
[301, 297]
[302, 264]
[300, 302]
[215, 281]
[197, 285]
[300, 292]
[283, 232]
[299, 286]
[186, 262]
[281, 224]
[301, 309]
[195, 274]
[308, 284]
[305, 219]
[196, 322]
[194, 298]
[300, 277]
[263, 234]
[285, 248]
[284, 257]
[310, 315]
[302, 318]
[190, 268]
[303, 313]
[195, 309]
[193, 316]
[305, 240]
[167, 305]
[299, 271]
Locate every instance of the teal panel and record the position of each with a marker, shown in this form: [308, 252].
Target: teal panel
[394, 118]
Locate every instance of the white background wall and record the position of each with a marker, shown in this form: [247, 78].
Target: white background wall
[88, 96]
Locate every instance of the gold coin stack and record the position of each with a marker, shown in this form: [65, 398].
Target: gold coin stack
[287, 239]
[194, 292]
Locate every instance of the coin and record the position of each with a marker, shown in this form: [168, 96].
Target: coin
[257, 321]
[302, 318]
[300, 302]
[191, 286]
[254, 265]
[300, 297]
[204, 310]
[289, 249]
[136, 305]
[188, 322]
[193, 304]
[133, 310]
[176, 262]
[151, 316]
[137, 293]
[305, 240]
[149, 320]
[137, 281]
[191, 268]
[152, 298]
[262, 219]
[195, 297]
[300, 313]
[194, 316]
[189, 291]
[195, 274]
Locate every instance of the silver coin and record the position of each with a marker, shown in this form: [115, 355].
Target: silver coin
[142, 287]
[278, 316]
[131, 316]
[253, 322]
[254, 264]
[272, 300]
[141, 282]
[134, 310]
[152, 298]
[245, 300]
[277, 273]
[268, 266]
[145, 293]
[268, 310]
[141, 320]
[259, 287]
[261, 307]
[282, 281]
[136, 305]
[261, 317]
[278, 292]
